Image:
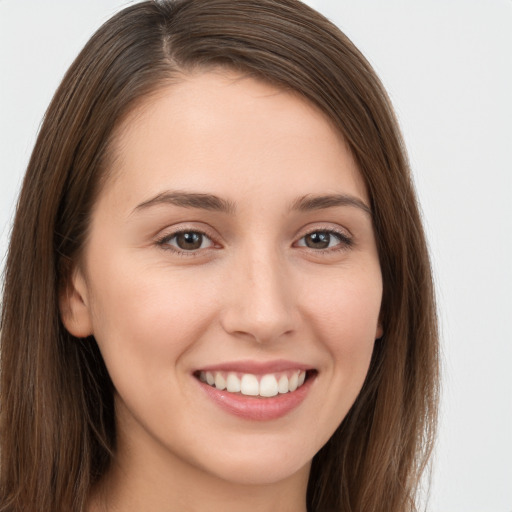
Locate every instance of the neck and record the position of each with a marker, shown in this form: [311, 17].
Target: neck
[131, 490]
[143, 478]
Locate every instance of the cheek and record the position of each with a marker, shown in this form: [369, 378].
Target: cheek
[144, 317]
[345, 315]
[347, 308]
[145, 326]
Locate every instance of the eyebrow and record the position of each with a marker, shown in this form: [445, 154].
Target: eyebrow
[190, 200]
[214, 203]
[321, 202]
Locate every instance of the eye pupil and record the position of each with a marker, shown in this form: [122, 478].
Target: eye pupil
[189, 240]
[318, 240]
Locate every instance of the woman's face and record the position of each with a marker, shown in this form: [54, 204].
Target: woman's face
[232, 243]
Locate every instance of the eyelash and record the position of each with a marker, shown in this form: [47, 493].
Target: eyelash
[164, 242]
[345, 242]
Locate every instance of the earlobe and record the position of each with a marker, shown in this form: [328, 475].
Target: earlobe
[74, 306]
[379, 332]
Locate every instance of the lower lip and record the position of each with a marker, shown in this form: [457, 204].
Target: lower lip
[256, 408]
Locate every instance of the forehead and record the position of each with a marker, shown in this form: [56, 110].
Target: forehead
[209, 129]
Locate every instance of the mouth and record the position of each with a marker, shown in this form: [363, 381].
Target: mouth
[256, 385]
[256, 392]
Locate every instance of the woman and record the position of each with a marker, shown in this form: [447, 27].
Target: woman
[217, 292]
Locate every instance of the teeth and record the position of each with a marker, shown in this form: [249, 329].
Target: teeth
[233, 383]
[248, 384]
[220, 381]
[293, 382]
[282, 386]
[268, 385]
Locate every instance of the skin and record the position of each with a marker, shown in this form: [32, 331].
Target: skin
[253, 290]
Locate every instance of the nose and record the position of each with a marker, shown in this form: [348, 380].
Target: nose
[259, 299]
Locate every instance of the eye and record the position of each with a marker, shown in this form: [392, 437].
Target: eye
[324, 239]
[187, 241]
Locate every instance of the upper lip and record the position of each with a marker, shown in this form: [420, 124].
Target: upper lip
[257, 367]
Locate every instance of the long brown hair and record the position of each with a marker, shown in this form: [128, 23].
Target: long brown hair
[57, 418]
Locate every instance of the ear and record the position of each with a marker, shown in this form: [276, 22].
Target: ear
[379, 331]
[74, 306]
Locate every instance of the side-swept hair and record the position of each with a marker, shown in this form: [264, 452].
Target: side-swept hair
[57, 419]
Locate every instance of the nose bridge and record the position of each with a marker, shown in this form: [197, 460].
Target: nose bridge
[261, 304]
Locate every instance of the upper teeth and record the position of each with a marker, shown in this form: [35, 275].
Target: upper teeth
[248, 384]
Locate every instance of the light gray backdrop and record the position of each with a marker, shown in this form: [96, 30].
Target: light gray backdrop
[448, 68]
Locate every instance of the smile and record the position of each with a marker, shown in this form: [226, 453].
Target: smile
[257, 392]
[248, 384]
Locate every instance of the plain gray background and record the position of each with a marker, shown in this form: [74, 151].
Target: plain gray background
[448, 68]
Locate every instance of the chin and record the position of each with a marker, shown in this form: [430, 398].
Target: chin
[261, 472]
[259, 461]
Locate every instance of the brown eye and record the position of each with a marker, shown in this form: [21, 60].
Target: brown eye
[188, 241]
[318, 240]
[323, 240]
